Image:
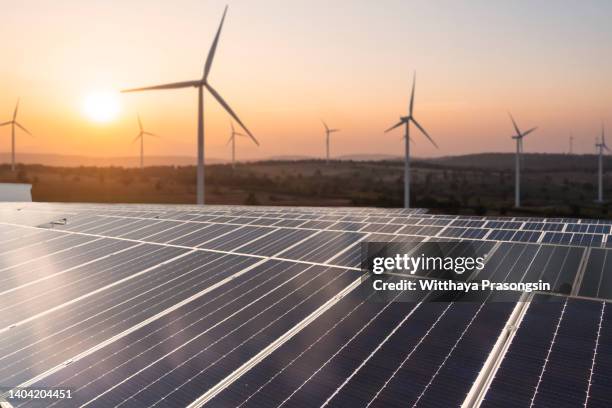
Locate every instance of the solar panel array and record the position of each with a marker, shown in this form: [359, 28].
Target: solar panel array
[153, 305]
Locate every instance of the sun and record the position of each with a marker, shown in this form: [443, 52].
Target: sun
[102, 106]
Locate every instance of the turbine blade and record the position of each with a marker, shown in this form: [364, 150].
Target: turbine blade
[240, 134]
[213, 48]
[6, 123]
[150, 134]
[22, 128]
[139, 122]
[528, 132]
[229, 140]
[174, 85]
[16, 109]
[136, 138]
[230, 111]
[518, 132]
[424, 132]
[333, 130]
[232, 126]
[325, 124]
[412, 95]
[398, 124]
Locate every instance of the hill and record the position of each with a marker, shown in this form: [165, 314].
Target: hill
[531, 161]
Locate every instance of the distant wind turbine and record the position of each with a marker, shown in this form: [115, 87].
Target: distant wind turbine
[601, 146]
[519, 151]
[232, 140]
[328, 132]
[141, 136]
[14, 123]
[571, 144]
[200, 84]
[406, 120]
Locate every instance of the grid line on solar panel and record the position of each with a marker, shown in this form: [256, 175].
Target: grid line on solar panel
[235, 395]
[114, 314]
[403, 362]
[318, 283]
[276, 242]
[519, 236]
[38, 300]
[317, 258]
[47, 266]
[40, 250]
[152, 320]
[557, 265]
[595, 281]
[237, 238]
[437, 356]
[554, 358]
[346, 344]
[549, 351]
[595, 354]
[416, 347]
[369, 310]
[32, 244]
[161, 277]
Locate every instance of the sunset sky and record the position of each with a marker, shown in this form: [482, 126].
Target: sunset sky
[283, 65]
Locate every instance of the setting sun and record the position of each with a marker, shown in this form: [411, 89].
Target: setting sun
[102, 106]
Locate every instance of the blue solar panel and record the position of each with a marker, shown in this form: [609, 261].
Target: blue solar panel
[203, 341]
[156, 305]
[558, 357]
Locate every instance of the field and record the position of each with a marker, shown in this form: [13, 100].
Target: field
[553, 185]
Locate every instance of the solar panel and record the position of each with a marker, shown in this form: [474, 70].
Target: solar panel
[29, 349]
[199, 344]
[155, 305]
[558, 357]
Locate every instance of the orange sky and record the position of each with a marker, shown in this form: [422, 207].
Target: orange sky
[284, 65]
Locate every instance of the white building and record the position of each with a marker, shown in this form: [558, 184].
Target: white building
[15, 192]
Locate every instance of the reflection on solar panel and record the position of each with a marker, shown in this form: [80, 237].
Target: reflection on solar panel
[153, 305]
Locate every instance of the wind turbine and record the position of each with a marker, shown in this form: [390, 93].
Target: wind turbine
[14, 123]
[328, 132]
[141, 136]
[232, 140]
[406, 120]
[519, 151]
[601, 146]
[200, 84]
[571, 144]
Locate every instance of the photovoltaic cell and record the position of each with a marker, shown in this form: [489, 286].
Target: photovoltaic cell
[29, 350]
[75, 288]
[558, 357]
[200, 343]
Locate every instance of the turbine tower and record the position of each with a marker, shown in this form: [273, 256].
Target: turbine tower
[406, 120]
[519, 151]
[601, 146]
[328, 132]
[14, 123]
[571, 144]
[232, 140]
[200, 84]
[141, 136]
